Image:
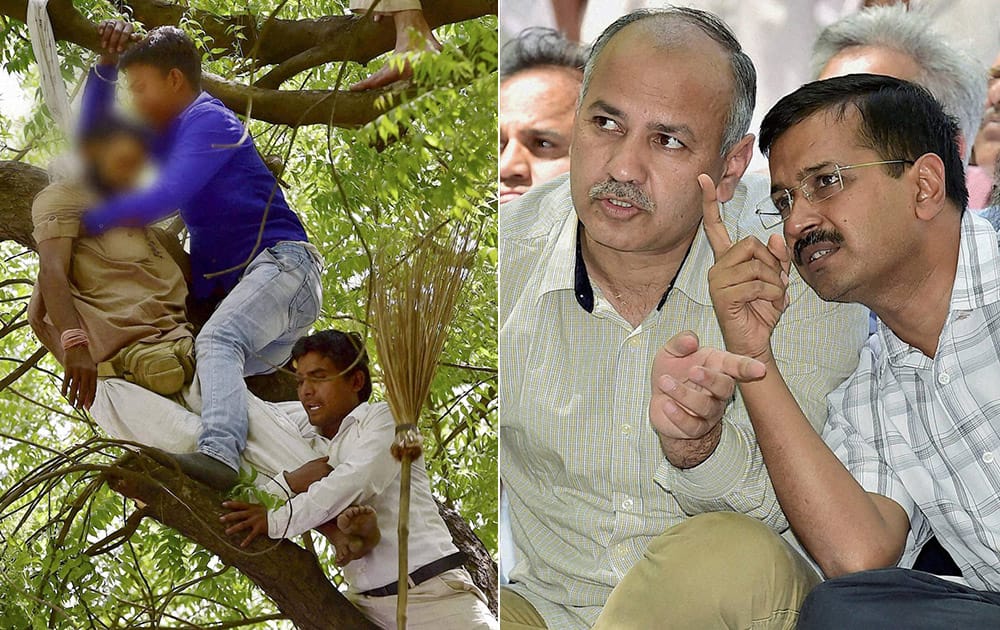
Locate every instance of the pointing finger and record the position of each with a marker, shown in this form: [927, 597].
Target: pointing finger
[715, 230]
[741, 368]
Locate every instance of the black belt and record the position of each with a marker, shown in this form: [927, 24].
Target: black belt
[421, 575]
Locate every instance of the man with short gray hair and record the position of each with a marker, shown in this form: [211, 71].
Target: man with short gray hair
[618, 521]
[901, 43]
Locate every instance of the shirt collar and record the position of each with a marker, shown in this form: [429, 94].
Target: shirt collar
[977, 279]
[566, 269]
[583, 289]
[356, 415]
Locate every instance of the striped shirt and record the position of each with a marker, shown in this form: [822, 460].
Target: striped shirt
[587, 480]
[926, 432]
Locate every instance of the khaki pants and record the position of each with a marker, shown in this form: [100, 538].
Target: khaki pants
[516, 613]
[449, 601]
[713, 571]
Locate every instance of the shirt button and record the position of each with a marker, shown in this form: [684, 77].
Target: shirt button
[626, 429]
[944, 378]
[988, 457]
[627, 504]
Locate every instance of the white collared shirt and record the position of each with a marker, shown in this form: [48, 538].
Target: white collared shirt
[365, 473]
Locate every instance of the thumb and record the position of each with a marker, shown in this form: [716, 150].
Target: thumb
[777, 246]
[684, 343]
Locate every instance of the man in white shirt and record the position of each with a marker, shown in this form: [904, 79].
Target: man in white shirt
[867, 180]
[334, 388]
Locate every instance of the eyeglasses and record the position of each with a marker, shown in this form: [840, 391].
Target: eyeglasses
[776, 209]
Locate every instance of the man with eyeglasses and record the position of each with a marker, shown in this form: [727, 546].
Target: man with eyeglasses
[618, 522]
[868, 182]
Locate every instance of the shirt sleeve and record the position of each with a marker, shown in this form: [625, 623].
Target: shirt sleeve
[98, 96]
[203, 146]
[55, 213]
[816, 346]
[367, 472]
[851, 432]
[278, 486]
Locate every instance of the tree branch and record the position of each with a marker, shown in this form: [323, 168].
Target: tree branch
[290, 575]
[338, 37]
[296, 108]
[312, 42]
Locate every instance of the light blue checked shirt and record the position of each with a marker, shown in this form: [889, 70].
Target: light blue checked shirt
[926, 432]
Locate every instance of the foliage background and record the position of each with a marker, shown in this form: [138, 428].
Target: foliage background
[429, 160]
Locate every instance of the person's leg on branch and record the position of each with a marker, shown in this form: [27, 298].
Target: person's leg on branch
[898, 598]
[717, 570]
[251, 332]
[413, 34]
[127, 411]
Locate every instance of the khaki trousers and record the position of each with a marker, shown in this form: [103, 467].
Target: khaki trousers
[517, 614]
[713, 571]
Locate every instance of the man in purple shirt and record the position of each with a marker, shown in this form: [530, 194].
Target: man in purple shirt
[249, 252]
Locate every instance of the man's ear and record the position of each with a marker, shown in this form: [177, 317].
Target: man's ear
[930, 191]
[176, 79]
[358, 379]
[737, 161]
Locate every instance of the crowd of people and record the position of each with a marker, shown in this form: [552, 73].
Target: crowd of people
[736, 399]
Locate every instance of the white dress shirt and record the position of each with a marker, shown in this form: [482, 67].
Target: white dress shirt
[365, 473]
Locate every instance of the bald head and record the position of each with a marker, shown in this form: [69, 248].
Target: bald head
[676, 29]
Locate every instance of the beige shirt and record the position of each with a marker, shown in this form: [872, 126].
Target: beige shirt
[126, 286]
[589, 486]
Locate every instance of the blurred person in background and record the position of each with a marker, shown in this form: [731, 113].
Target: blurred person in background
[892, 41]
[540, 76]
[986, 147]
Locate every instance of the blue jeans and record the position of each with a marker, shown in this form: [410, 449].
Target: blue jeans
[252, 332]
[898, 598]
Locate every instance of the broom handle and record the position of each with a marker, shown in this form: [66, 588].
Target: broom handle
[403, 534]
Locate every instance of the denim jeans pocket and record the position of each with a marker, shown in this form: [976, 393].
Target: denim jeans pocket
[289, 256]
[305, 305]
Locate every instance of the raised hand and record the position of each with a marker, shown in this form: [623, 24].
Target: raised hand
[748, 282]
[691, 387]
[116, 36]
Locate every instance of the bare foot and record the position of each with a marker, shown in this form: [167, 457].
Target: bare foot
[353, 533]
[419, 39]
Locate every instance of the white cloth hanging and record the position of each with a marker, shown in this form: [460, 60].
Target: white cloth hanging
[43, 43]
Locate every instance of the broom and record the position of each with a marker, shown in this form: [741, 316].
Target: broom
[414, 303]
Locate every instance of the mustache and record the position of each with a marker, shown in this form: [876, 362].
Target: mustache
[814, 237]
[623, 190]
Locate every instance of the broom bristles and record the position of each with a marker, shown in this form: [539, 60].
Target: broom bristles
[414, 303]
